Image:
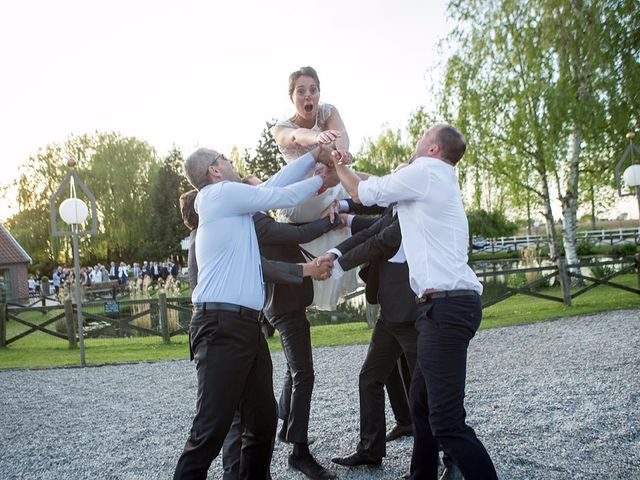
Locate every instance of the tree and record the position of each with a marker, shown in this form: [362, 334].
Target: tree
[382, 155]
[267, 159]
[489, 225]
[165, 228]
[118, 175]
[532, 83]
[40, 176]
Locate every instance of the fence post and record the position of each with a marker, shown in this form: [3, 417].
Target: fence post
[564, 282]
[3, 317]
[68, 319]
[163, 315]
[637, 255]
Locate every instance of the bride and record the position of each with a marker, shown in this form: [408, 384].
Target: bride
[314, 124]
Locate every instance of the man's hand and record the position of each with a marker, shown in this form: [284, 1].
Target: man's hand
[326, 259]
[331, 211]
[341, 157]
[316, 271]
[324, 154]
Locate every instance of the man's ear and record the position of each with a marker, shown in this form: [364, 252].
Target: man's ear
[215, 172]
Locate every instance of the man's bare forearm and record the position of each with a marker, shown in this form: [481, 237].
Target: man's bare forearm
[349, 180]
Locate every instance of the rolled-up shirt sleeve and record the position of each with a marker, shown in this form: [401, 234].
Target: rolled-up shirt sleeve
[410, 183]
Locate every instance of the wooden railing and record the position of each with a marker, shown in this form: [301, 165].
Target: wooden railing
[597, 237]
[162, 306]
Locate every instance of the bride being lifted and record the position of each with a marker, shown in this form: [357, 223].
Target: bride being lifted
[314, 124]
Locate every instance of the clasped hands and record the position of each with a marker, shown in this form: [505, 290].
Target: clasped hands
[320, 268]
[326, 260]
[315, 270]
[330, 156]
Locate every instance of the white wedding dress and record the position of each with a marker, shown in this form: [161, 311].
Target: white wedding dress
[325, 294]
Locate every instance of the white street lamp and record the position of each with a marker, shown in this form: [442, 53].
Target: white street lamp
[631, 175]
[74, 212]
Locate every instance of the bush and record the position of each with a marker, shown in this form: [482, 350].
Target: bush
[585, 248]
[517, 280]
[623, 250]
[601, 271]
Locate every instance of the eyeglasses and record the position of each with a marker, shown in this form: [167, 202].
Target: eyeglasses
[215, 160]
[220, 156]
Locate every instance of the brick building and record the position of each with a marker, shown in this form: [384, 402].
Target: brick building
[13, 267]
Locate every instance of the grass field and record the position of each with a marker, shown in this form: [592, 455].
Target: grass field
[40, 350]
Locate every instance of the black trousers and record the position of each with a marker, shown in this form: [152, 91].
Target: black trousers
[231, 450]
[388, 341]
[397, 385]
[294, 404]
[234, 371]
[445, 327]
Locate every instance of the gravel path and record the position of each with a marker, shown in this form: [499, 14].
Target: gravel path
[554, 400]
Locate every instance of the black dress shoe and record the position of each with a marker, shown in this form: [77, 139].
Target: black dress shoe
[308, 465]
[399, 431]
[357, 459]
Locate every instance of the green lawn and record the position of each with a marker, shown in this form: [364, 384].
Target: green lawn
[40, 350]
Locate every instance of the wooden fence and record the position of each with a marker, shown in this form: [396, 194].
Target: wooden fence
[162, 307]
[122, 325]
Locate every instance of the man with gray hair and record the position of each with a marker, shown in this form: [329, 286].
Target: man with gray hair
[232, 358]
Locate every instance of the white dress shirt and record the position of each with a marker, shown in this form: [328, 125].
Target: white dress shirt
[435, 230]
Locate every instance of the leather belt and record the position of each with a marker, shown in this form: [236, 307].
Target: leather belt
[444, 294]
[226, 307]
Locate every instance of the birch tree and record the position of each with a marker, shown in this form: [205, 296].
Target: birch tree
[534, 82]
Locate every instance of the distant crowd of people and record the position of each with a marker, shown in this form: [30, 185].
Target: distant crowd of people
[123, 273]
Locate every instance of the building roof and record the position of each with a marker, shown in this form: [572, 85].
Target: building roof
[10, 250]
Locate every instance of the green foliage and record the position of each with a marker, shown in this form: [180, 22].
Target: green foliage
[517, 280]
[267, 159]
[482, 256]
[585, 248]
[490, 224]
[118, 174]
[165, 228]
[419, 122]
[623, 250]
[39, 178]
[116, 170]
[382, 155]
[601, 271]
[539, 88]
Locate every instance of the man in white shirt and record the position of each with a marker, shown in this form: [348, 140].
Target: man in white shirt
[232, 358]
[435, 235]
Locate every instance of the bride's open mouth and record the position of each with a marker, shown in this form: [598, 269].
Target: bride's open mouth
[308, 108]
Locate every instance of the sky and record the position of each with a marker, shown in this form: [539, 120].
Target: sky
[206, 73]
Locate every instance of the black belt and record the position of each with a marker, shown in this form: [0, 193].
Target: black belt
[226, 307]
[444, 294]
